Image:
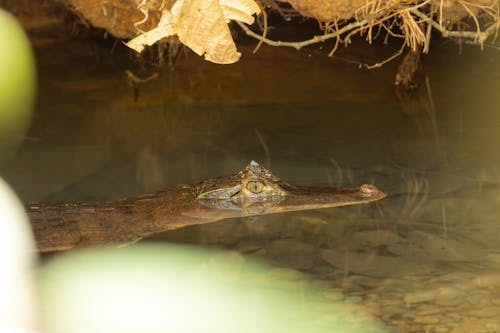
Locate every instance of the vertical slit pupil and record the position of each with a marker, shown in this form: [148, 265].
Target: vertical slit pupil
[255, 187]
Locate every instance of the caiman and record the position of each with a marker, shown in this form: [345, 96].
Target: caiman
[252, 191]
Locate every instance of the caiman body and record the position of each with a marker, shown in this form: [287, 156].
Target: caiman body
[253, 191]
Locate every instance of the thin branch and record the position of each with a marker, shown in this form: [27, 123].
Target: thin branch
[416, 26]
[427, 39]
[337, 41]
[264, 32]
[144, 10]
[478, 37]
[314, 40]
[478, 26]
[394, 56]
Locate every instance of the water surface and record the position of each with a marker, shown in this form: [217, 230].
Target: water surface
[426, 258]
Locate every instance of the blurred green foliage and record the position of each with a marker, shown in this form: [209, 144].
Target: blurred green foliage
[17, 84]
[173, 288]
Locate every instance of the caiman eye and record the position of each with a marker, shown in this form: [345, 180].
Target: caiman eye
[255, 186]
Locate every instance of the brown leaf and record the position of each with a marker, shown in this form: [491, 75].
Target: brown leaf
[202, 26]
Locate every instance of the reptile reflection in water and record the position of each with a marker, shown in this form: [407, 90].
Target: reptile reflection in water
[252, 191]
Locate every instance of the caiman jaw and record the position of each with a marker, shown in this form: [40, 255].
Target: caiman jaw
[253, 191]
[256, 191]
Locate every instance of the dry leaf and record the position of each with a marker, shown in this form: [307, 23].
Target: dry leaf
[241, 10]
[202, 26]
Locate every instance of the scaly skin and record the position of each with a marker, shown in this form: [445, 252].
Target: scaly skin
[253, 191]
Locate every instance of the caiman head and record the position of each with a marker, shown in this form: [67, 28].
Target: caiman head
[257, 191]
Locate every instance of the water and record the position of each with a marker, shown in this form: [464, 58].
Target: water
[426, 258]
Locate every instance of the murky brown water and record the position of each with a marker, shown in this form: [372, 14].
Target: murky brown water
[425, 259]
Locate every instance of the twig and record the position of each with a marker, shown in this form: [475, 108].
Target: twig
[337, 41]
[144, 10]
[339, 171]
[133, 78]
[135, 81]
[477, 37]
[443, 217]
[264, 146]
[441, 13]
[314, 40]
[264, 32]
[394, 56]
[478, 27]
[377, 13]
[427, 38]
